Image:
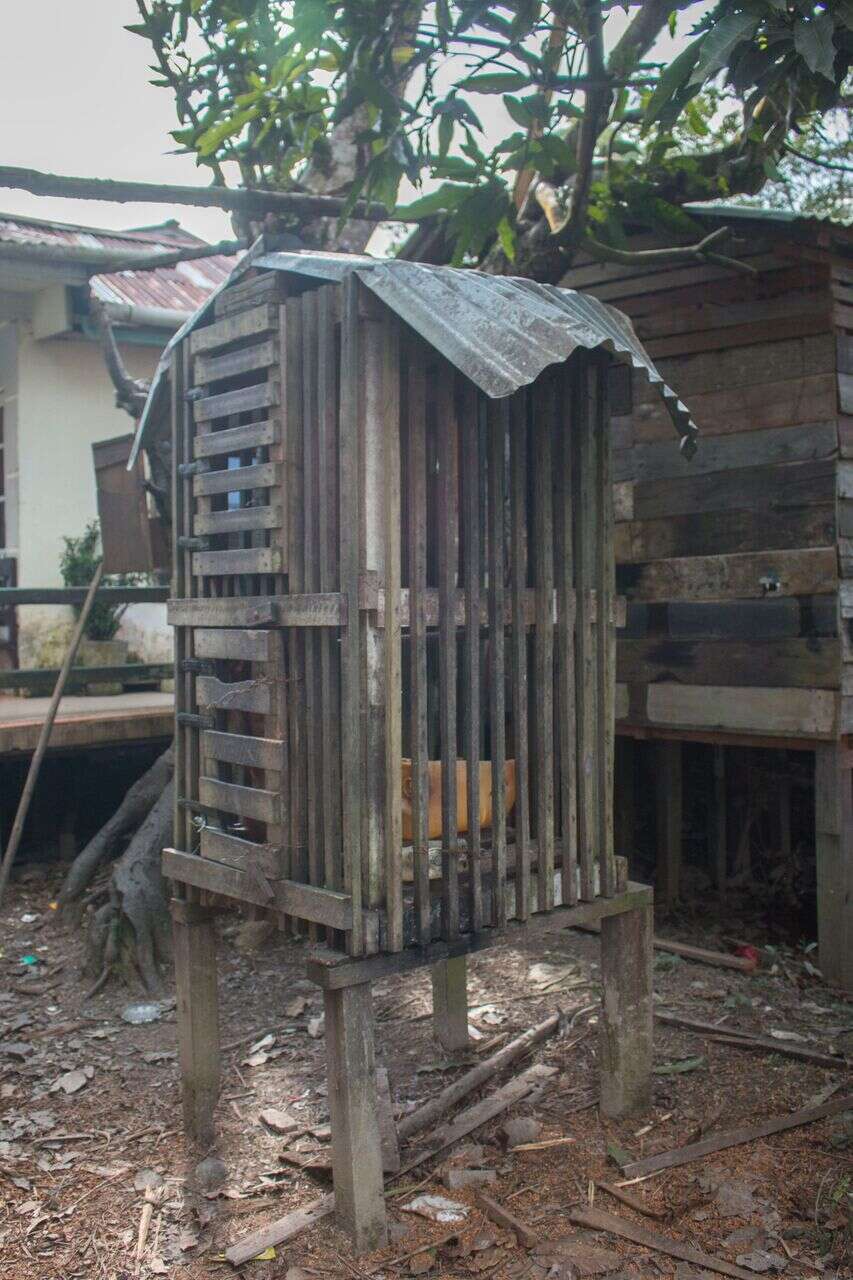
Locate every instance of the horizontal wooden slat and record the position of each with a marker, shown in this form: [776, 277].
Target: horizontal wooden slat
[793, 326]
[302, 901]
[756, 407]
[263, 475]
[758, 488]
[810, 713]
[724, 532]
[247, 802]
[261, 395]
[266, 286]
[807, 442]
[772, 618]
[374, 599]
[238, 520]
[245, 855]
[323, 609]
[233, 440]
[234, 363]
[792, 663]
[767, 362]
[250, 560]
[748, 575]
[262, 319]
[238, 748]
[240, 695]
[244, 646]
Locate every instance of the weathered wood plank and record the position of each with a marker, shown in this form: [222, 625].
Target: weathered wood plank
[758, 488]
[724, 532]
[604, 585]
[391, 515]
[805, 442]
[244, 855]
[798, 663]
[240, 695]
[222, 333]
[808, 713]
[585, 501]
[240, 520]
[755, 407]
[323, 609]
[813, 571]
[566, 611]
[243, 646]
[258, 287]
[234, 439]
[251, 560]
[237, 748]
[518, 641]
[543, 431]
[234, 363]
[247, 802]
[473, 411]
[447, 530]
[497, 426]
[260, 395]
[260, 475]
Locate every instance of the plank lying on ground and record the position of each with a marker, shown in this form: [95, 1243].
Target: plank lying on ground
[442, 1102]
[736, 1137]
[598, 1220]
[631, 1202]
[505, 1219]
[746, 1040]
[466, 1122]
[716, 958]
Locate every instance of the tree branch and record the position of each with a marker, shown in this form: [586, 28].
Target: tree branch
[131, 393]
[151, 261]
[297, 203]
[824, 164]
[702, 250]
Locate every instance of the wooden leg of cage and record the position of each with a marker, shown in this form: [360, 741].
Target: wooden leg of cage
[668, 785]
[626, 1024]
[198, 1018]
[450, 1003]
[353, 1112]
[719, 826]
[834, 858]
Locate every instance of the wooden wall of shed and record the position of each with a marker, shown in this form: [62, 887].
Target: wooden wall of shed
[730, 562]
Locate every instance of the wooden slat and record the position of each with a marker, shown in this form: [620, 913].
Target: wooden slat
[238, 748]
[750, 575]
[725, 532]
[252, 560]
[245, 855]
[799, 663]
[447, 539]
[258, 287]
[261, 475]
[261, 395]
[605, 634]
[585, 503]
[240, 520]
[241, 695]
[351, 756]
[417, 567]
[234, 439]
[311, 570]
[183, 647]
[472, 409]
[544, 413]
[247, 802]
[222, 333]
[566, 610]
[497, 424]
[519, 622]
[803, 442]
[304, 902]
[319, 610]
[758, 488]
[243, 646]
[234, 363]
[808, 713]
[390, 428]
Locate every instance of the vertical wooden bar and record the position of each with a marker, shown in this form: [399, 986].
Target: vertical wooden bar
[311, 561]
[834, 856]
[564, 569]
[293, 428]
[585, 503]
[498, 417]
[356, 1146]
[349, 471]
[543, 559]
[518, 589]
[417, 533]
[194, 940]
[179, 412]
[470, 451]
[447, 440]
[625, 798]
[450, 1003]
[719, 826]
[625, 1043]
[605, 587]
[327, 428]
[668, 800]
[390, 415]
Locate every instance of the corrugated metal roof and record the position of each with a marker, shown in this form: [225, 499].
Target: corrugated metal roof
[782, 217]
[184, 287]
[499, 331]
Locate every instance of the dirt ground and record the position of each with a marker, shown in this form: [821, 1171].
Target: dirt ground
[90, 1114]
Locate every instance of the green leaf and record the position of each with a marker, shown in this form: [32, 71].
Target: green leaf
[496, 82]
[445, 134]
[447, 196]
[813, 42]
[212, 139]
[671, 80]
[772, 170]
[519, 111]
[718, 44]
[681, 1065]
[506, 235]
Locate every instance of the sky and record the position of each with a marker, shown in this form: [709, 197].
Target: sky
[75, 87]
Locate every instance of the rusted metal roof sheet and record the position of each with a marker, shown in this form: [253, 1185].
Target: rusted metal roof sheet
[184, 287]
[15, 229]
[499, 331]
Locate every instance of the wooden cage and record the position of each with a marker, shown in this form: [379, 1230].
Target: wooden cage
[395, 641]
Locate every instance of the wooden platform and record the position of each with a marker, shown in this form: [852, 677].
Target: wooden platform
[86, 721]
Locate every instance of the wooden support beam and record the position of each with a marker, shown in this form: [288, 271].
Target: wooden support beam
[834, 858]
[356, 1146]
[668, 791]
[626, 1024]
[718, 830]
[198, 1018]
[450, 1003]
[625, 802]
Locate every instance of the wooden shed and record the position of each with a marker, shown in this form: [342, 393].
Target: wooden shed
[736, 569]
[395, 639]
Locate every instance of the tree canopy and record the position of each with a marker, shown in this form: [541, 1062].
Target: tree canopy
[522, 130]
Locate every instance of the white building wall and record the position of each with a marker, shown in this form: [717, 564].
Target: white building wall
[66, 402]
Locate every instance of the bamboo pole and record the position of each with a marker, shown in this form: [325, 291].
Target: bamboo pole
[44, 736]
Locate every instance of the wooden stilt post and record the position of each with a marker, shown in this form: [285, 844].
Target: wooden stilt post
[625, 799]
[719, 827]
[198, 1017]
[450, 1003]
[626, 1025]
[668, 784]
[353, 1111]
[834, 858]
